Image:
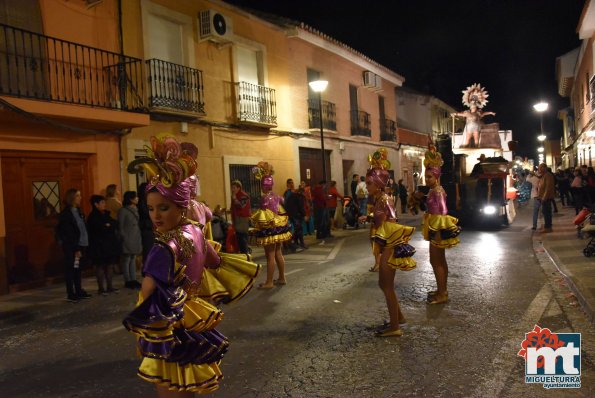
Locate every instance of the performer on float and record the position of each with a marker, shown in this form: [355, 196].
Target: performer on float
[475, 98]
[181, 351]
[438, 227]
[270, 226]
[389, 239]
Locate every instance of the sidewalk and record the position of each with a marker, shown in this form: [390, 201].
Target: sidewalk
[565, 249]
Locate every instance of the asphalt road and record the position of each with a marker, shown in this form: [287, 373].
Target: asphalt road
[314, 336]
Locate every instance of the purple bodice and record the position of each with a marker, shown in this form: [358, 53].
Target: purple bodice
[383, 210]
[195, 260]
[436, 202]
[271, 202]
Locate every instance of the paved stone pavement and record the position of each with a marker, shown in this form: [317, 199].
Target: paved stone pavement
[565, 247]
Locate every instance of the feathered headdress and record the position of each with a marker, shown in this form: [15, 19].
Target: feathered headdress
[379, 159]
[168, 164]
[262, 169]
[168, 161]
[475, 95]
[379, 165]
[433, 160]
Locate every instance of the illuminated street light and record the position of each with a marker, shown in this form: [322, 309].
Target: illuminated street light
[318, 86]
[541, 107]
[540, 149]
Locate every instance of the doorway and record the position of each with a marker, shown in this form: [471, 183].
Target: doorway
[34, 185]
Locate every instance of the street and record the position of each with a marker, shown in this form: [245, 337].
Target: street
[314, 336]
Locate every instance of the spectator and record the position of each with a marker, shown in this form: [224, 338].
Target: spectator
[144, 221]
[590, 186]
[361, 193]
[578, 188]
[289, 190]
[131, 242]
[320, 211]
[308, 224]
[402, 191]
[219, 225]
[240, 214]
[331, 201]
[563, 187]
[354, 182]
[72, 235]
[112, 203]
[546, 195]
[534, 180]
[553, 201]
[296, 211]
[104, 247]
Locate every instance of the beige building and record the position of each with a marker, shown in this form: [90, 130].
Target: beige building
[236, 85]
[576, 79]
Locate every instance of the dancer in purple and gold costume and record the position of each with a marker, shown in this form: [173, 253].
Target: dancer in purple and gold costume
[270, 226]
[389, 239]
[438, 227]
[174, 326]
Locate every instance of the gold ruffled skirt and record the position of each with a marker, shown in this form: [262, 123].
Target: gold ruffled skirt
[394, 237]
[441, 230]
[269, 228]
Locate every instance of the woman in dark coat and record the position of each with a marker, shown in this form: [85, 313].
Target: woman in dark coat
[104, 247]
[144, 221]
[72, 235]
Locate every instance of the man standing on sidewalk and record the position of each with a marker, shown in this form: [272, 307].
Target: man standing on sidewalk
[546, 195]
[240, 214]
[535, 179]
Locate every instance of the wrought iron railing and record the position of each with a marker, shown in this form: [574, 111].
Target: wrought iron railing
[360, 123]
[40, 67]
[329, 116]
[388, 130]
[175, 87]
[256, 104]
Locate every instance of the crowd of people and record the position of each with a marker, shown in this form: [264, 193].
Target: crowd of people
[111, 239]
[575, 188]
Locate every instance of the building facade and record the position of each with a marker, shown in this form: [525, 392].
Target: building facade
[64, 107]
[253, 101]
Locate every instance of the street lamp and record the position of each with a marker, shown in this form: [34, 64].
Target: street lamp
[318, 86]
[541, 107]
[540, 149]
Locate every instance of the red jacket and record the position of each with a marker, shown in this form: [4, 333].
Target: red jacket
[240, 207]
[333, 194]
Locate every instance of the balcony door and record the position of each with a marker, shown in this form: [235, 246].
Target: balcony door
[166, 39]
[249, 65]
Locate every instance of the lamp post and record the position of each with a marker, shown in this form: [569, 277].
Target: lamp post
[541, 107]
[319, 86]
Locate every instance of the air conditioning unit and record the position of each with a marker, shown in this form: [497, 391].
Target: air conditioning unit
[214, 26]
[372, 81]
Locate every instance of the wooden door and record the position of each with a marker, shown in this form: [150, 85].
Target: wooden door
[311, 165]
[34, 186]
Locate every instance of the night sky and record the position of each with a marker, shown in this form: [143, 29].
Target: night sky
[441, 47]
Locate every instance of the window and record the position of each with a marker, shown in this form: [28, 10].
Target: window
[46, 199]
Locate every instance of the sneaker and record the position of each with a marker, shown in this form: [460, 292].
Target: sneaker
[83, 295]
[102, 292]
[72, 299]
[534, 228]
[112, 290]
[546, 230]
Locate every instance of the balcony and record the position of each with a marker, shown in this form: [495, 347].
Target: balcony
[388, 130]
[175, 88]
[256, 104]
[39, 67]
[329, 116]
[360, 123]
